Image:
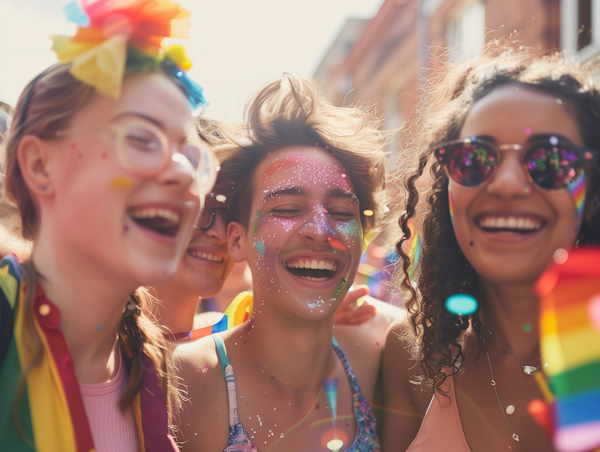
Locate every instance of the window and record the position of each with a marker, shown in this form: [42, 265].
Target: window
[466, 31]
[580, 27]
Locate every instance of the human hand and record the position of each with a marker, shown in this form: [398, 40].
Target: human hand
[350, 312]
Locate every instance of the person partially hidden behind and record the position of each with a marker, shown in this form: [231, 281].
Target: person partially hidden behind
[308, 177]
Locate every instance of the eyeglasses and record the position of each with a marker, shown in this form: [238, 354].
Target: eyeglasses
[550, 163]
[144, 150]
[207, 218]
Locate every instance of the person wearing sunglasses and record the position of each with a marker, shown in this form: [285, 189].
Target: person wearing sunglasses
[108, 173]
[514, 183]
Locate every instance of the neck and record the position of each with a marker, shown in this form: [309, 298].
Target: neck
[90, 299]
[176, 308]
[293, 351]
[511, 313]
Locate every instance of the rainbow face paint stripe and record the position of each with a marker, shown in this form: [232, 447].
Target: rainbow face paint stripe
[412, 247]
[450, 202]
[577, 190]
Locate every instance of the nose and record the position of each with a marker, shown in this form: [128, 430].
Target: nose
[510, 180]
[317, 228]
[178, 173]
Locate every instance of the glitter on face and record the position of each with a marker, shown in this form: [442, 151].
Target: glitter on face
[553, 141]
[319, 302]
[260, 247]
[559, 101]
[527, 131]
[340, 288]
[527, 327]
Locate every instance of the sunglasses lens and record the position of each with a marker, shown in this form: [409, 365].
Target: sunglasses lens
[554, 167]
[468, 163]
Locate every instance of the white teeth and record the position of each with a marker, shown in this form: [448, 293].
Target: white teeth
[154, 212]
[518, 223]
[207, 256]
[313, 264]
[310, 278]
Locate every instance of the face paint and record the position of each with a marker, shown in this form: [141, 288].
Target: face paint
[339, 289]
[335, 243]
[121, 183]
[450, 203]
[412, 247]
[577, 191]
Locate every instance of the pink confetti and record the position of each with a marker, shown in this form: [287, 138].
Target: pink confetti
[377, 343]
[527, 131]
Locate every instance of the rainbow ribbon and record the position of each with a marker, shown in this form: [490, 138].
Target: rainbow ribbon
[51, 415]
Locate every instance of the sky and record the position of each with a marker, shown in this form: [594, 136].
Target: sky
[236, 45]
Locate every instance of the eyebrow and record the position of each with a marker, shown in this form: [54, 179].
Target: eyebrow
[290, 191]
[338, 193]
[530, 140]
[335, 193]
[154, 121]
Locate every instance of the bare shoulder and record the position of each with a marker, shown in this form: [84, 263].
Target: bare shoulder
[364, 344]
[406, 402]
[376, 329]
[203, 421]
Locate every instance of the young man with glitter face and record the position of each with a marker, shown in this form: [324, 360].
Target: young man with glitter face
[307, 177]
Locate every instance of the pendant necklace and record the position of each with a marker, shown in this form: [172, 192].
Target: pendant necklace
[529, 370]
[514, 435]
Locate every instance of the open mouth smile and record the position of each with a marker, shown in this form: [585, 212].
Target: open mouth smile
[206, 256]
[515, 224]
[312, 269]
[162, 220]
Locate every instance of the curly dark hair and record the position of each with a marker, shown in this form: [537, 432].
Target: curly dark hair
[437, 335]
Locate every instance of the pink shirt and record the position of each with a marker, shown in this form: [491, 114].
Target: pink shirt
[441, 428]
[112, 429]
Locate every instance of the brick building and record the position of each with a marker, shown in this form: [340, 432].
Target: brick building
[384, 61]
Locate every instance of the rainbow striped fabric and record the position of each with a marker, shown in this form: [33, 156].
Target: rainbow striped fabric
[50, 415]
[238, 311]
[570, 344]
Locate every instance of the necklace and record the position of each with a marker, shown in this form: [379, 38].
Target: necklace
[514, 435]
[529, 370]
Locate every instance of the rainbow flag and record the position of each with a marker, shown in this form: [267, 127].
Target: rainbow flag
[51, 416]
[570, 344]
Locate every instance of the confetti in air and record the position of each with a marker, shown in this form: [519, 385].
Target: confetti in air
[461, 304]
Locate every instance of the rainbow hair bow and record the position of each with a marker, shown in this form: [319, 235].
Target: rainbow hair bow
[115, 37]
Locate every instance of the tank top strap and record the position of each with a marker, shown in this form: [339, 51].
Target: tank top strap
[222, 351]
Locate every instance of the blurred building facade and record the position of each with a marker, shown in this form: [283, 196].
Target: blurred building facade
[388, 54]
[381, 61]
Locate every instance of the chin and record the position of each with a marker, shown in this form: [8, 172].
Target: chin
[154, 271]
